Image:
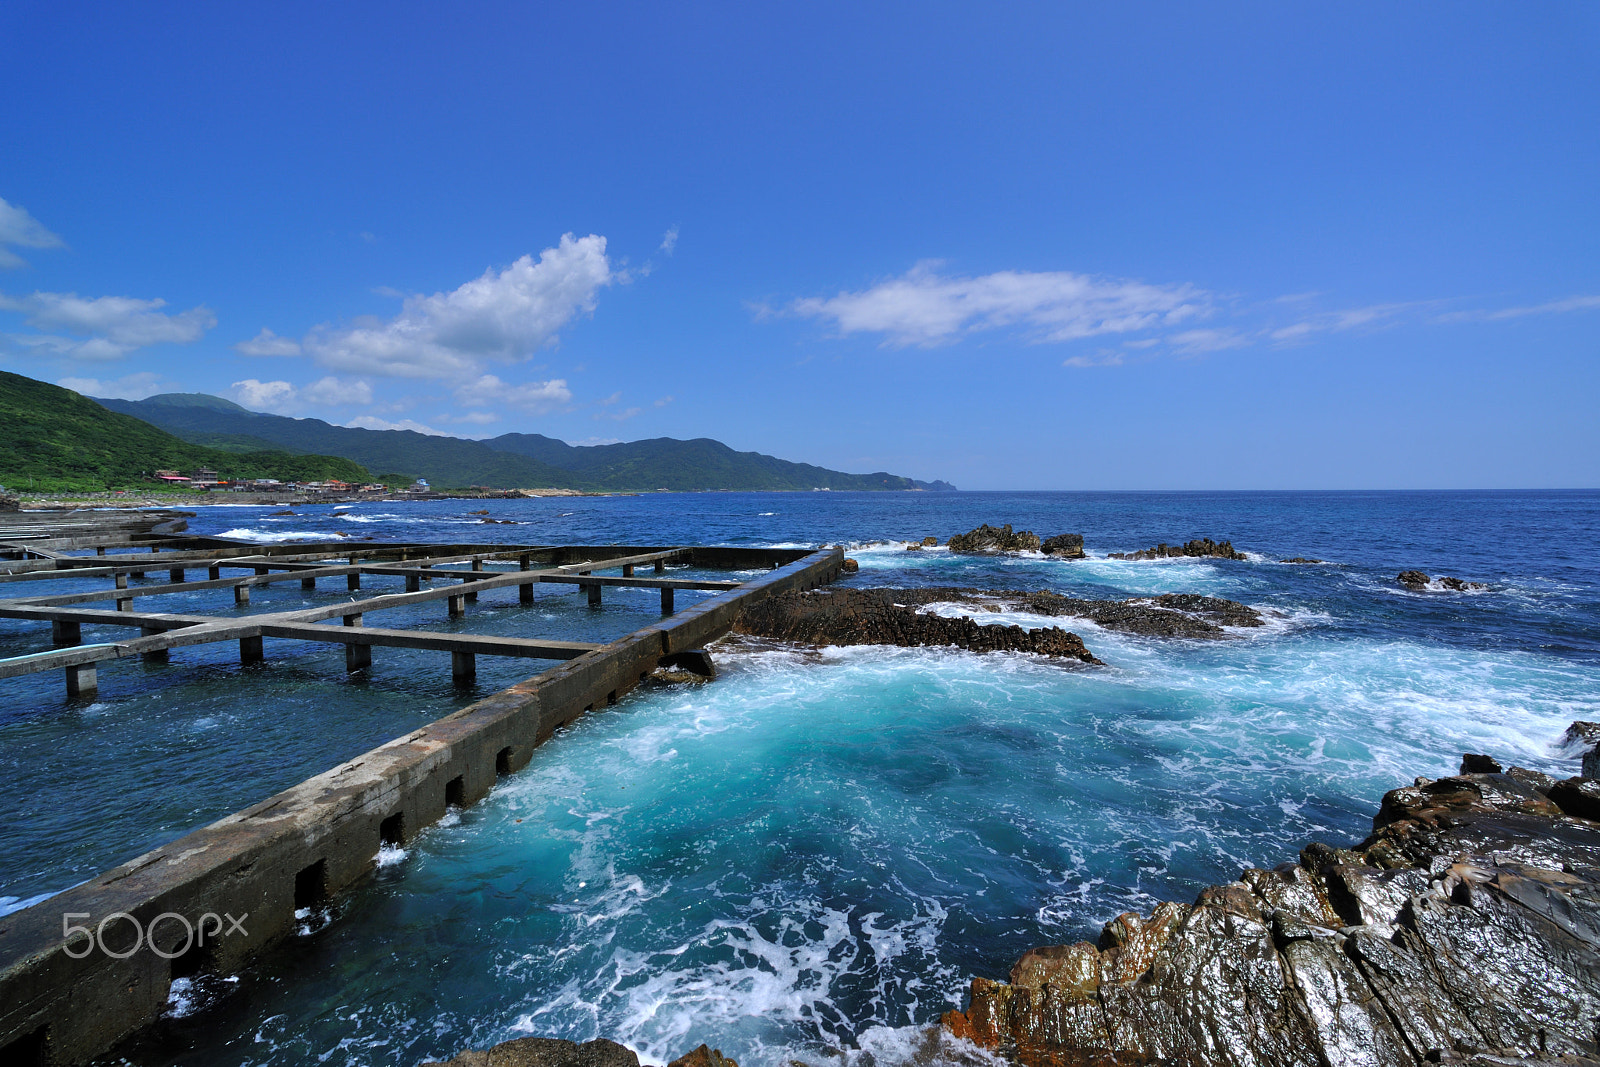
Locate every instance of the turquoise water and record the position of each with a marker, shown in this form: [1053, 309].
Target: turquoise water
[815, 853]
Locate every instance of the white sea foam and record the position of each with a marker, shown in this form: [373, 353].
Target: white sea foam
[245, 533]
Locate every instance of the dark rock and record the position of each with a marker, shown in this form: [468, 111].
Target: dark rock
[1202, 548]
[1169, 615]
[546, 1052]
[1579, 797]
[850, 566]
[991, 539]
[1302, 559]
[889, 617]
[281, 514]
[9, 503]
[1472, 763]
[1585, 738]
[927, 542]
[1418, 580]
[1466, 929]
[833, 616]
[1065, 546]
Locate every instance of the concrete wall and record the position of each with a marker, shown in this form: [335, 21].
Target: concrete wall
[320, 836]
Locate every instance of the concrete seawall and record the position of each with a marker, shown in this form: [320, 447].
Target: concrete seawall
[65, 1000]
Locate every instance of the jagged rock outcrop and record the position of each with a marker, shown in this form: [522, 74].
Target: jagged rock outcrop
[1202, 548]
[1301, 559]
[1465, 929]
[9, 503]
[553, 1052]
[1418, 580]
[990, 539]
[1064, 546]
[1584, 738]
[890, 617]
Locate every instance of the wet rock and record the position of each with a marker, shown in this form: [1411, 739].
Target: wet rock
[993, 539]
[282, 514]
[1579, 797]
[835, 616]
[890, 617]
[547, 1052]
[1584, 737]
[1301, 559]
[9, 503]
[1202, 548]
[1418, 580]
[1466, 929]
[1169, 615]
[1473, 763]
[704, 1057]
[929, 542]
[1064, 546]
[850, 566]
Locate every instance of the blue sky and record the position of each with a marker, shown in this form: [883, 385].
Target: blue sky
[1014, 246]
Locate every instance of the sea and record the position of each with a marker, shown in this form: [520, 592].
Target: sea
[810, 858]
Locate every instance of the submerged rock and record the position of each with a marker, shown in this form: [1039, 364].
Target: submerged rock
[991, 539]
[547, 1052]
[1201, 548]
[1465, 929]
[1301, 559]
[890, 617]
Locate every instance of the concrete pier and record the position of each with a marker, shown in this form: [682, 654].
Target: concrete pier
[60, 1005]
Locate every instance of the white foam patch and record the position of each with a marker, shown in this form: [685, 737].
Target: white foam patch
[245, 533]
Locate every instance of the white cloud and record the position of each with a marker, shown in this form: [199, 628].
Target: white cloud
[257, 395]
[1105, 357]
[131, 387]
[670, 241]
[111, 326]
[21, 230]
[1573, 303]
[1197, 341]
[535, 397]
[1339, 321]
[267, 343]
[370, 422]
[476, 418]
[331, 391]
[664, 401]
[507, 315]
[926, 308]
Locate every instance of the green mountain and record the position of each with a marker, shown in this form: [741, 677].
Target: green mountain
[53, 439]
[444, 461]
[529, 461]
[667, 463]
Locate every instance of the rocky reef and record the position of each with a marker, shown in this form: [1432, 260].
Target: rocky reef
[1418, 580]
[553, 1052]
[1202, 548]
[1465, 929]
[991, 539]
[890, 617]
[841, 616]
